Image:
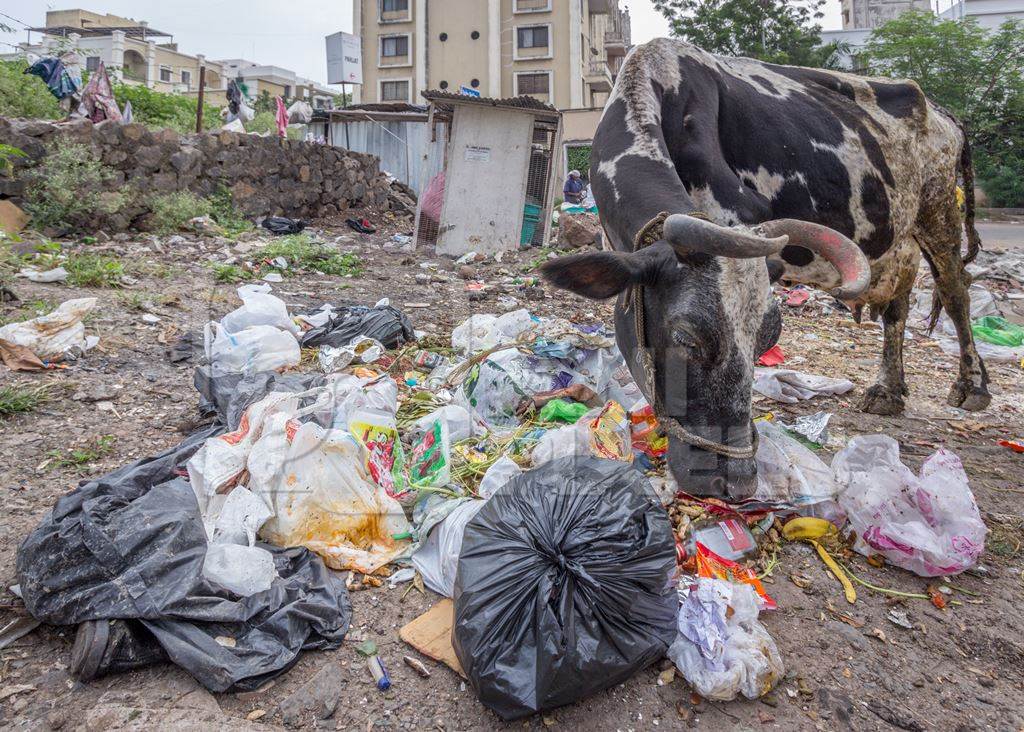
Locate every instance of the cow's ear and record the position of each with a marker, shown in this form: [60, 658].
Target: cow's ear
[599, 275]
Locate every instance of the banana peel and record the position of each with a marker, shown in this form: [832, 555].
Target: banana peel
[812, 530]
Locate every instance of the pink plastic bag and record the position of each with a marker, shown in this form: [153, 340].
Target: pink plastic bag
[928, 524]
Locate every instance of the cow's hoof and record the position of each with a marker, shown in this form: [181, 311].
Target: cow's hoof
[880, 400]
[969, 397]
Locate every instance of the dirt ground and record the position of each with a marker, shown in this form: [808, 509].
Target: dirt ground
[848, 667]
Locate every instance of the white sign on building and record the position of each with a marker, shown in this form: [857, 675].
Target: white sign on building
[344, 59]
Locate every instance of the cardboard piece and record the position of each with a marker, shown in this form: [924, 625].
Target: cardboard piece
[19, 358]
[12, 218]
[431, 635]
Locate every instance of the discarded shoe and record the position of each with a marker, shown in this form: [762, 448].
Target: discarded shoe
[105, 647]
[363, 226]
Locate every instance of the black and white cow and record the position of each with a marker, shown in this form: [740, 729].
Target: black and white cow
[727, 147]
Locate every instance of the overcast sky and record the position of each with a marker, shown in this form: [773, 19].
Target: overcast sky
[289, 34]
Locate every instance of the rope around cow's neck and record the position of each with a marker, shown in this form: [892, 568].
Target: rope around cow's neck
[649, 234]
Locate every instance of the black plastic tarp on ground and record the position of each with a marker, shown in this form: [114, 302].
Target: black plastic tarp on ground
[131, 545]
[565, 586]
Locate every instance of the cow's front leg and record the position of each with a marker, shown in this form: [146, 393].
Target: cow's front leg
[886, 396]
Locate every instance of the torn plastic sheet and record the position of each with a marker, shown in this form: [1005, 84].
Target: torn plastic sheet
[132, 544]
[789, 386]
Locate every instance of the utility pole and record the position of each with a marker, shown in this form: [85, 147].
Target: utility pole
[199, 104]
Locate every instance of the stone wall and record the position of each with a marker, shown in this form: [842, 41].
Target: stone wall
[265, 175]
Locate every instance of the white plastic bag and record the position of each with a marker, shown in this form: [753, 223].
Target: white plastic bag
[50, 336]
[349, 393]
[789, 386]
[259, 307]
[475, 334]
[790, 475]
[259, 348]
[929, 525]
[460, 425]
[572, 439]
[724, 655]
[323, 499]
[501, 472]
[438, 557]
[243, 570]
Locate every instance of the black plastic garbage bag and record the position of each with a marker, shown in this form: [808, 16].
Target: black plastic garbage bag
[227, 395]
[385, 323]
[131, 545]
[281, 225]
[565, 586]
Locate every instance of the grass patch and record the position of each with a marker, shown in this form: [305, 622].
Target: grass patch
[21, 399]
[172, 212]
[93, 270]
[302, 253]
[81, 456]
[229, 274]
[229, 218]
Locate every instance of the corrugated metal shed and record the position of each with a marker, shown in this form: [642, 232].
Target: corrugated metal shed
[400, 137]
[524, 103]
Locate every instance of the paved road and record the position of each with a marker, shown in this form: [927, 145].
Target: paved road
[1001, 235]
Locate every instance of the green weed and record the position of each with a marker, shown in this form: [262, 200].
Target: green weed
[229, 274]
[82, 456]
[93, 270]
[21, 399]
[172, 212]
[302, 253]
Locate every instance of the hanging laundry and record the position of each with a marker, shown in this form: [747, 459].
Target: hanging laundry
[234, 99]
[98, 101]
[53, 72]
[126, 115]
[282, 118]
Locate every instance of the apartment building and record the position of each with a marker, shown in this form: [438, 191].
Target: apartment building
[564, 52]
[132, 51]
[136, 53]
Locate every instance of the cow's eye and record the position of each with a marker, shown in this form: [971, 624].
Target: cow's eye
[685, 340]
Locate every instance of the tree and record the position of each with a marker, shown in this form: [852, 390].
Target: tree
[771, 30]
[977, 75]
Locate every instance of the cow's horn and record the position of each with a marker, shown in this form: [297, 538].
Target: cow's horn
[690, 235]
[836, 249]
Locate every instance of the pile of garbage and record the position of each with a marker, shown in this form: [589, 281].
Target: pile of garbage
[516, 469]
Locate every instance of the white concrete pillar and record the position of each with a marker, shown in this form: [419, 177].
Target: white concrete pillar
[575, 61]
[356, 90]
[152, 70]
[420, 50]
[116, 62]
[494, 50]
[200, 63]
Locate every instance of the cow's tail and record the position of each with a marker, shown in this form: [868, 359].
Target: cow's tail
[967, 176]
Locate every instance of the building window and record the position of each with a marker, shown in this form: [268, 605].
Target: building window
[165, 74]
[531, 6]
[392, 46]
[287, 91]
[92, 63]
[539, 83]
[186, 78]
[394, 6]
[394, 91]
[533, 36]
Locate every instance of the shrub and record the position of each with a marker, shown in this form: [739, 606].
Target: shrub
[172, 211]
[159, 110]
[226, 215]
[93, 270]
[66, 190]
[22, 95]
[302, 253]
